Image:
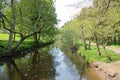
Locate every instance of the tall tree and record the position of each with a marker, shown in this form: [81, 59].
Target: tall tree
[29, 20]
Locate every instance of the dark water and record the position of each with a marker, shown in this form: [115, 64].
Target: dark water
[44, 64]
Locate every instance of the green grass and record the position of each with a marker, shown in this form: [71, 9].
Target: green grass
[4, 40]
[92, 55]
[17, 38]
[6, 37]
[27, 43]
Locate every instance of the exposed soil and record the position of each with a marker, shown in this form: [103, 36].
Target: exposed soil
[108, 71]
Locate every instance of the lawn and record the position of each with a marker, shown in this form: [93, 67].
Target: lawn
[4, 40]
[5, 37]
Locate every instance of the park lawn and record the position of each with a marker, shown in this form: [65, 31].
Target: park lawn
[92, 55]
[5, 37]
[4, 41]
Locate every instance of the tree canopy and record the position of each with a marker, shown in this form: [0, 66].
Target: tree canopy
[99, 23]
[27, 18]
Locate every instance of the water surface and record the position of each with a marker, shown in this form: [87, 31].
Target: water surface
[43, 64]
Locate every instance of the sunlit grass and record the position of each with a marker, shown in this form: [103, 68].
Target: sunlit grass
[4, 40]
[6, 37]
[92, 55]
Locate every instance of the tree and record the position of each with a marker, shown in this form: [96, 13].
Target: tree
[99, 23]
[28, 20]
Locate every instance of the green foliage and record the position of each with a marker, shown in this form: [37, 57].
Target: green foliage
[38, 14]
[3, 4]
[100, 21]
[27, 18]
[4, 38]
[68, 37]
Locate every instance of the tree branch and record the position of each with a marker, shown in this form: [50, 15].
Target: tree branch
[4, 26]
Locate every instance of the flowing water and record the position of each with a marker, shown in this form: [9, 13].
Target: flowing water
[43, 64]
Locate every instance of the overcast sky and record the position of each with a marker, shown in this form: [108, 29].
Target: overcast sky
[67, 9]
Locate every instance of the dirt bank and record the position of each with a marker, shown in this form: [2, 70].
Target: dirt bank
[107, 71]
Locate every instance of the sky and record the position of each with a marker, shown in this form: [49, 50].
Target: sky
[68, 9]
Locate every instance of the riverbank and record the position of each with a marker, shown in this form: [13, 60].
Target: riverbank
[23, 51]
[107, 71]
[91, 56]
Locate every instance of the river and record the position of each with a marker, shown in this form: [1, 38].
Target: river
[43, 64]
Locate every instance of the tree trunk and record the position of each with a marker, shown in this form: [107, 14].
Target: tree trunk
[18, 44]
[107, 56]
[12, 26]
[97, 44]
[21, 20]
[118, 39]
[83, 38]
[104, 47]
[98, 48]
[35, 38]
[38, 37]
[114, 40]
[89, 44]
[14, 37]
[10, 40]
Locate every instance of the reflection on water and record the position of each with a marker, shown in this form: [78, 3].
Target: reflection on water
[37, 65]
[2, 73]
[41, 65]
[65, 70]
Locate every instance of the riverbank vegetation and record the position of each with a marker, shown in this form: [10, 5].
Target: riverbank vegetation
[24, 22]
[95, 28]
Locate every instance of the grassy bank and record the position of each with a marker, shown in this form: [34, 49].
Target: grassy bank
[27, 43]
[92, 55]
